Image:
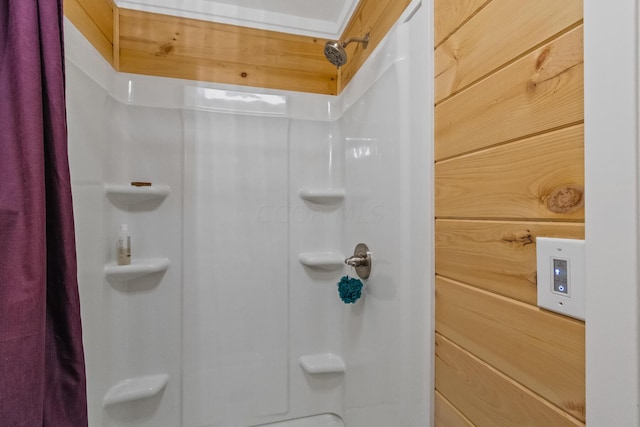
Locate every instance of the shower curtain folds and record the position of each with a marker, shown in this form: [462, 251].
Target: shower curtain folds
[42, 377]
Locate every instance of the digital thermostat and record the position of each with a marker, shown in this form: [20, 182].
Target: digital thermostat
[561, 286]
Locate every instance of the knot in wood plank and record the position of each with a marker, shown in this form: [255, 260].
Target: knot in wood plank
[165, 49]
[542, 58]
[523, 238]
[566, 199]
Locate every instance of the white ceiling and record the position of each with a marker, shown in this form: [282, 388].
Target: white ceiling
[317, 18]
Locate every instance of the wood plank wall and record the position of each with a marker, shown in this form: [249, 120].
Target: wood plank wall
[509, 168]
[95, 20]
[168, 46]
[375, 17]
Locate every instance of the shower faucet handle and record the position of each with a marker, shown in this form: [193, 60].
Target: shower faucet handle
[361, 260]
[357, 261]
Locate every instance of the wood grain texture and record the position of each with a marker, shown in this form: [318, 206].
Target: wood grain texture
[223, 72]
[83, 20]
[542, 351]
[523, 179]
[167, 46]
[487, 397]
[101, 12]
[171, 46]
[541, 91]
[509, 168]
[497, 256]
[446, 415]
[451, 14]
[514, 28]
[373, 16]
[116, 39]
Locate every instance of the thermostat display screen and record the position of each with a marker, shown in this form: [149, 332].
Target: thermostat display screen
[560, 284]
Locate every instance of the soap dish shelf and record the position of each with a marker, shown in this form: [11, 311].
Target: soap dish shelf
[125, 193]
[137, 388]
[324, 363]
[137, 268]
[323, 196]
[322, 260]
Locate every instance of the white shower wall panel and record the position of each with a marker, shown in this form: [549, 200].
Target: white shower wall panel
[387, 338]
[376, 333]
[130, 329]
[87, 141]
[146, 335]
[235, 333]
[315, 162]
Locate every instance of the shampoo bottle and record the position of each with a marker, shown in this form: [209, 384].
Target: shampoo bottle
[123, 247]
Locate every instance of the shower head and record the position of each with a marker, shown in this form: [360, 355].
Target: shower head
[334, 49]
[335, 53]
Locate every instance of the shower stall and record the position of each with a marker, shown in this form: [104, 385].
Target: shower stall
[248, 203]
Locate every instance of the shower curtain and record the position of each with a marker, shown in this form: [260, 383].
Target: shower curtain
[42, 379]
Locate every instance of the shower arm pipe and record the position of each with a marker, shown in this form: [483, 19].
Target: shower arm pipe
[364, 40]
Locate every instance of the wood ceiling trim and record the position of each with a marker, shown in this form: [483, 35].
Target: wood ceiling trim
[168, 46]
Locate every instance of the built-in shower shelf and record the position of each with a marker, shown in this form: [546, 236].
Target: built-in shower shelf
[126, 193]
[324, 363]
[322, 195]
[135, 389]
[322, 260]
[137, 268]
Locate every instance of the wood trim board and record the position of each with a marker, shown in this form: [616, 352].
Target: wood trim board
[169, 46]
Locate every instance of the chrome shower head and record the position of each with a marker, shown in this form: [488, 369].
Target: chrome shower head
[334, 49]
[335, 53]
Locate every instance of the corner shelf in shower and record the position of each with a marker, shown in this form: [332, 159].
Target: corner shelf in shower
[135, 388]
[137, 268]
[322, 196]
[322, 260]
[126, 193]
[324, 363]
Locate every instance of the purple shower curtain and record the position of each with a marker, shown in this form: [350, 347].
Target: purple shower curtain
[42, 378]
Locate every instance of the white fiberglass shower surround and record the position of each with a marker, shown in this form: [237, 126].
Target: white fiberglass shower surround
[229, 314]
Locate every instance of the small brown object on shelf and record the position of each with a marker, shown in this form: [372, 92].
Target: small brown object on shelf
[140, 184]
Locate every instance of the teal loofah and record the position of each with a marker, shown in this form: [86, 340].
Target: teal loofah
[350, 289]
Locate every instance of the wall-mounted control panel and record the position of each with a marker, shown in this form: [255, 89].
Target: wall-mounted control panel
[561, 276]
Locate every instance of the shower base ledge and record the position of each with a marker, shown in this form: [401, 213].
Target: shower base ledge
[135, 389]
[322, 420]
[138, 268]
[324, 363]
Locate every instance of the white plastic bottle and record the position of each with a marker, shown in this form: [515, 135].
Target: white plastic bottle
[123, 247]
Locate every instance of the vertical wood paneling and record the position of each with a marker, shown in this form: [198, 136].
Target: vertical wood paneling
[540, 350]
[501, 31]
